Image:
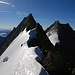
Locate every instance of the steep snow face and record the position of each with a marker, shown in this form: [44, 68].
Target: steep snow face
[18, 59]
[53, 36]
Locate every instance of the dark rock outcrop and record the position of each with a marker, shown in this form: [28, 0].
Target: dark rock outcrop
[66, 36]
[67, 39]
[44, 42]
[28, 23]
[1, 39]
[53, 27]
[41, 40]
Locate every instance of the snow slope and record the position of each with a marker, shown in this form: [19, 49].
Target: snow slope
[53, 36]
[18, 59]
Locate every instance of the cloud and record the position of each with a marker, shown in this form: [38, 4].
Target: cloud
[41, 19]
[13, 5]
[6, 27]
[2, 2]
[21, 13]
[25, 13]
[5, 11]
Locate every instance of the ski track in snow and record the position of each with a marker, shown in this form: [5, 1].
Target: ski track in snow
[21, 59]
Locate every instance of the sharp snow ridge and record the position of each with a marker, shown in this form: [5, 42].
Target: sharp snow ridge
[18, 59]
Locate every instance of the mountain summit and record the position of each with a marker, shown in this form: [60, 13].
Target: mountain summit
[58, 32]
[22, 49]
[28, 23]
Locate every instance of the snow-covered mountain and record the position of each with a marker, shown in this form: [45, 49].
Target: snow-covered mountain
[19, 59]
[29, 50]
[59, 33]
[62, 34]
[26, 22]
[16, 57]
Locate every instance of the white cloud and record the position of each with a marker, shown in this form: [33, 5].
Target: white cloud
[4, 2]
[24, 13]
[5, 11]
[6, 27]
[21, 13]
[13, 5]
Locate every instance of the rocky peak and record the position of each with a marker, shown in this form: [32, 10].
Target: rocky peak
[57, 22]
[63, 32]
[53, 27]
[56, 26]
[28, 23]
[41, 40]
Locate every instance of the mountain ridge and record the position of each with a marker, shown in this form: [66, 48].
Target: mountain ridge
[62, 36]
[57, 43]
[16, 31]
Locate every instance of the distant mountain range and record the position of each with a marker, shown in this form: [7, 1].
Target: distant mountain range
[3, 34]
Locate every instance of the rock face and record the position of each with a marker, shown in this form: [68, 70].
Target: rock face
[1, 39]
[41, 40]
[61, 60]
[27, 22]
[66, 37]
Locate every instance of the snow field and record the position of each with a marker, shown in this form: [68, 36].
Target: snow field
[21, 60]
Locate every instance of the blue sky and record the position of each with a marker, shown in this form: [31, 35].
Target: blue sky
[46, 12]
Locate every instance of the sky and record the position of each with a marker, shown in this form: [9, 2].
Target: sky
[45, 12]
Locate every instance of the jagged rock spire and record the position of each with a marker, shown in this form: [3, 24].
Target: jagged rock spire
[28, 22]
[57, 22]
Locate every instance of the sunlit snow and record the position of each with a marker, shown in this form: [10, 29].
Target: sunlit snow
[21, 60]
[53, 36]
